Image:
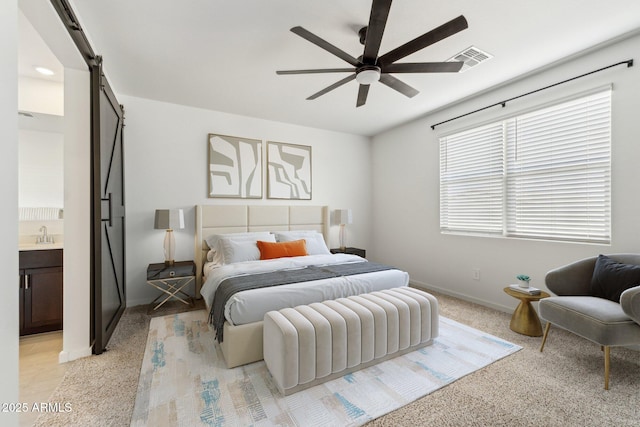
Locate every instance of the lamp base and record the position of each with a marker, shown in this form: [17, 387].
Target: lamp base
[169, 248]
[343, 237]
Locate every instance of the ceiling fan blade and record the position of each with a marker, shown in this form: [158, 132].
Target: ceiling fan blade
[318, 71]
[424, 67]
[325, 45]
[362, 95]
[375, 30]
[398, 85]
[442, 32]
[332, 87]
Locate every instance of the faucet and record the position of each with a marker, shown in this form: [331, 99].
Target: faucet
[44, 238]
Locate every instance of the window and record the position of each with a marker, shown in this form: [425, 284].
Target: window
[544, 174]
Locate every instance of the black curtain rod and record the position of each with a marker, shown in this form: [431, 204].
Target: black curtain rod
[629, 63]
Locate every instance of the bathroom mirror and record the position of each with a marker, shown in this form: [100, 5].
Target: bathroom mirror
[40, 166]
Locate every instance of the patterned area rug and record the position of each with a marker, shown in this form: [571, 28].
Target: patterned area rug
[184, 381]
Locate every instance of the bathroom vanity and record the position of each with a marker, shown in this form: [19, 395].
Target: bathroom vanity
[41, 284]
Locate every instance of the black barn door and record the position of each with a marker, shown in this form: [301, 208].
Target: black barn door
[108, 258]
[108, 297]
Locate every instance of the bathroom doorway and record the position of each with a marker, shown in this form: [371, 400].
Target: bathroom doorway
[66, 102]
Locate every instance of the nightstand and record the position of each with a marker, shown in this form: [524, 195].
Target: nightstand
[353, 251]
[171, 280]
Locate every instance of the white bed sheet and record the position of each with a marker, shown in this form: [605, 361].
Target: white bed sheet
[208, 267]
[250, 306]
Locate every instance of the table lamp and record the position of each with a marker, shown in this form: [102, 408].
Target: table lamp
[168, 219]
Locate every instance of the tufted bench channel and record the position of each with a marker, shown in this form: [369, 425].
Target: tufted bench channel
[310, 344]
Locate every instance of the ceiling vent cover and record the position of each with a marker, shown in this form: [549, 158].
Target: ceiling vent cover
[471, 57]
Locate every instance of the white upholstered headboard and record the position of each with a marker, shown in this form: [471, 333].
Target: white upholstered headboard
[221, 219]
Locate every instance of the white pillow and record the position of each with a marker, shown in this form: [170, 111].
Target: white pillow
[314, 240]
[235, 250]
[288, 236]
[212, 240]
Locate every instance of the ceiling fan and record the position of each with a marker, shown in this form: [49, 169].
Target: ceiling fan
[370, 67]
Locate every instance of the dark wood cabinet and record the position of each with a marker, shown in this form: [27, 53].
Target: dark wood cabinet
[41, 290]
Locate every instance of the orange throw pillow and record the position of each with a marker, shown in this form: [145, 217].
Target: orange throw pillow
[271, 250]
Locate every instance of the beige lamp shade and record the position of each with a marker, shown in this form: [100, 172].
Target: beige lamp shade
[169, 219]
[344, 216]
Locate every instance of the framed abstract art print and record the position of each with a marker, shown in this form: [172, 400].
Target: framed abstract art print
[235, 167]
[288, 171]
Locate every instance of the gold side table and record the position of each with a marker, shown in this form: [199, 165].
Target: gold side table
[525, 320]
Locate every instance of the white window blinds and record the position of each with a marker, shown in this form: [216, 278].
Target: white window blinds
[544, 174]
[471, 180]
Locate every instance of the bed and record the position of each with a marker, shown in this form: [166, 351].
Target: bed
[228, 227]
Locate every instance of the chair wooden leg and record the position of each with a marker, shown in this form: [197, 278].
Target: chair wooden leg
[544, 338]
[607, 364]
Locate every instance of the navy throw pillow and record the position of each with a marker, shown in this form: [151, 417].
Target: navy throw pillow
[611, 278]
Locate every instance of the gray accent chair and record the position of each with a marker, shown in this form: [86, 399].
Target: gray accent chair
[600, 320]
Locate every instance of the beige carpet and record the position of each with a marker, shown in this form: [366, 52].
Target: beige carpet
[561, 387]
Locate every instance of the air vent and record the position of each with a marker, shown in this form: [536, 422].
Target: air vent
[471, 57]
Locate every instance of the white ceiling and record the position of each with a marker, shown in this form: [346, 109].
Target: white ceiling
[34, 52]
[222, 55]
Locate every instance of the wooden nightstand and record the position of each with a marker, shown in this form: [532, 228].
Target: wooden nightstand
[171, 280]
[353, 251]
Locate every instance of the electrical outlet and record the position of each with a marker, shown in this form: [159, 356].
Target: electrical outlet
[476, 274]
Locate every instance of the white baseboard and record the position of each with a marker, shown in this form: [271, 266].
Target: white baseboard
[68, 356]
[490, 304]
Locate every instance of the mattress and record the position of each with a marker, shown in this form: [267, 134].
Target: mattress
[251, 306]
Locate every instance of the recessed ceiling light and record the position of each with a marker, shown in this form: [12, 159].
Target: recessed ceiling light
[44, 71]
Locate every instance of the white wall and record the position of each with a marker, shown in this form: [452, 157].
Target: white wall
[9, 212]
[77, 216]
[406, 183]
[40, 96]
[166, 167]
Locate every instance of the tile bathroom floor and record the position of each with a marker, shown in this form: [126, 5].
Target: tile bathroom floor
[40, 372]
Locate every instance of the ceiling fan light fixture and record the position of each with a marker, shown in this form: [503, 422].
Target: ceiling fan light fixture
[368, 74]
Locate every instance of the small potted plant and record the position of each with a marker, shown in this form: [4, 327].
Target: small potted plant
[523, 280]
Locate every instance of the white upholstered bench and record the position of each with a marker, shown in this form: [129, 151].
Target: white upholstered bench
[310, 344]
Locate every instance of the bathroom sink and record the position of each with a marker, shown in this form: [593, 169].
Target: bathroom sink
[39, 246]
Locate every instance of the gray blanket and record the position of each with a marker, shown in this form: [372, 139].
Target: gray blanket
[232, 285]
